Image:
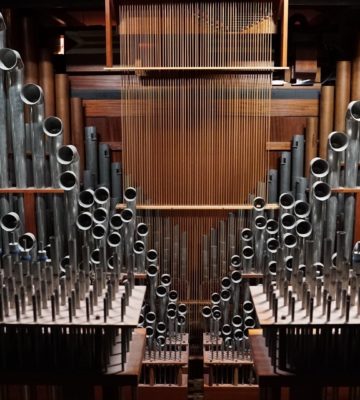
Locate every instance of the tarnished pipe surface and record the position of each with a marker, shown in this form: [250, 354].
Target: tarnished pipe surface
[104, 165]
[297, 160]
[69, 182]
[91, 152]
[273, 186]
[285, 172]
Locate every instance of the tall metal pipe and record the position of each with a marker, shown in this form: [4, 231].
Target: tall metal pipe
[69, 182]
[352, 122]
[297, 160]
[152, 273]
[246, 238]
[142, 232]
[337, 144]
[116, 181]
[129, 228]
[321, 193]
[161, 294]
[91, 153]
[302, 209]
[301, 185]
[273, 186]
[86, 199]
[104, 164]
[140, 255]
[319, 170]
[286, 203]
[206, 313]
[247, 258]
[12, 66]
[285, 172]
[235, 262]
[130, 199]
[303, 230]
[116, 222]
[102, 197]
[236, 279]
[68, 157]
[260, 229]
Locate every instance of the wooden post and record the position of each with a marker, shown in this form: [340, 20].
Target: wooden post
[284, 31]
[108, 34]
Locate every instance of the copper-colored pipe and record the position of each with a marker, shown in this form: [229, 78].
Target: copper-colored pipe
[311, 140]
[355, 72]
[326, 118]
[29, 53]
[46, 80]
[342, 93]
[63, 104]
[77, 128]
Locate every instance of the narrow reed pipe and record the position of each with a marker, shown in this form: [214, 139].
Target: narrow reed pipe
[236, 279]
[152, 273]
[104, 165]
[351, 169]
[68, 157]
[326, 113]
[285, 172]
[297, 159]
[139, 251]
[301, 209]
[337, 144]
[260, 229]
[273, 194]
[321, 193]
[69, 182]
[91, 153]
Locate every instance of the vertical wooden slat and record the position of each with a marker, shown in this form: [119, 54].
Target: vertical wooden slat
[108, 34]
[63, 104]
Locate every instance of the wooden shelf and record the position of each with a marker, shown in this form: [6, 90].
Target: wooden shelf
[31, 190]
[121, 68]
[346, 189]
[199, 207]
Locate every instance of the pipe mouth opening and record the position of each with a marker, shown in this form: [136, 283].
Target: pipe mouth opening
[8, 59]
[354, 108]
[86, 198]
[272, 267]
[160, 327]
[110, 263]
[98, 232]
[181, 320]
[286, 200]
[27, 241]
[288, 221]
[139, 247]
[246, 234]
[249, 322]
[68, 180]
[100, 215]
[290, 240]
[289, 263]
[272, 226]
[114, 239]
[95, 256]
[171, 313]
[182, 309]
[215, 298]
[31, 94]
[225, 295]
[116, 222]
[152, 270]
[338, 141]
[165, 279]
[10, 222]
[238, 335]
[303, 228]
[216, 314]
[302, 209]
[84, 221]
[248, 307]
[237, 321]
[248, 252]
[126, 215]
[272, 245]
[150, 317]
[161, 291]
[260, 222]
[171, 306]
[226, 330]
[149, 332]
[151, 255]
[102, 195]
[259, 203]
[67, 154]
[235, 261]
[319, 271]
[206, 312]
[319, 167]
[53, 126]
[322, 191]
[173, 295]
[142, 229]
[130, 194]
[236, 276]
[226, 282]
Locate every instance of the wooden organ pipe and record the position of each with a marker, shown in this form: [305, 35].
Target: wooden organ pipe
[30, 51]
[311, 140]
[326, 118]
[63, 104]
[355, 72]
[342, 93]
[46, 80]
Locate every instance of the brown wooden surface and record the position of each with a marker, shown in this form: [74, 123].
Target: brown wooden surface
[63, 104]
[346, 190]
[278, 146]
[342, 93]
[284, 33]
[46, 81]
[29, 205]
[355, 71]
[31, 190]
[311, 141]
[108, 33]
[77, 129]
[326, 118]
[198, 207]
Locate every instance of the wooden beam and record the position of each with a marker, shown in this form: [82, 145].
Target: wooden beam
[278, 146]
[108, 34]
[199, 207]
[31, 190]
[284, 33]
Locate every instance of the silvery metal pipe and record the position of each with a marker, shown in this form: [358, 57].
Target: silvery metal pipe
[247, 258]
[301, 185]
[273, 186]
[303, 230]
[246, 238]
[290, 242]
[297, 160]
[4, 177]
[286, 203]
[165, 280]
[352, 122]
[206, 313]
[139, 251]
[319, 170]
[84, 222]
[129, 228]
[161, 294]
[115, 222]
[152, 273]
[321, 193]
[102, 197]
[13, 68]
[116, 181]
[86, 199]
[235, 262]
[285, 172]
[104, 164]
[337, 144]
[225, 297]
[68, 157]
[53, 129]
[272, 245]
[142, 232]
[272, 227]
[258, 206]
[98, 233]
[301, 209]
[236, 279]
[91, 152]
[260, 226]
[100, 216]
[69, 182]
[130, 199]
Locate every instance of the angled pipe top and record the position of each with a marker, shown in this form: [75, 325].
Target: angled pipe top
[68, 180]
[319, 167]
[10, 222]
[353, 110]
[303, 228]
[142, 229]
[67, 155]
[321, 191]
[10, 60]
[286, 201]
[53, 126]
[139, 247]
[260, 222]
[259, 203]
[84, 221]
[114, 239]
[272, 226]
[102, 195]
[301, 209]
[98, 232]
[27, 241]
[130, 194]
[338, 141]
[100, 215]
[32, 94]
[235, 261]
[86, 198]
[116, 222]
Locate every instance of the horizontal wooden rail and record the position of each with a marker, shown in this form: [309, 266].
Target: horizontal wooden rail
[278, 146]
[346, 189]
[199, 207]
[31, 190]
